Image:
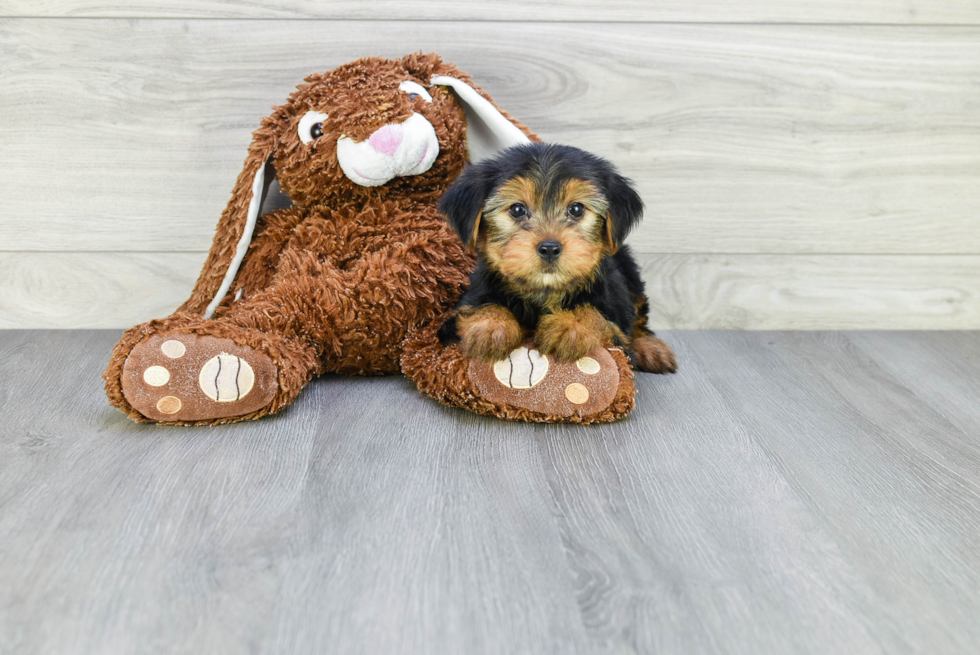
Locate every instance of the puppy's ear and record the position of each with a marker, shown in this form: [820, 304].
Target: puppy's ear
[462, 203]
[625, 209]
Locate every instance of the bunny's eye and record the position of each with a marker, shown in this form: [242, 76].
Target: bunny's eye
[414, 90]
[311, 126]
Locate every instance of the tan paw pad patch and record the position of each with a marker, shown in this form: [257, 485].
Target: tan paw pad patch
[173, 349]
[522, 369]
[169, 404]
[226, 378]
[156, 376]
[577, 393]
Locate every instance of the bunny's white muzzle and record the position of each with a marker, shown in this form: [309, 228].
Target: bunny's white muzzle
[395, 150]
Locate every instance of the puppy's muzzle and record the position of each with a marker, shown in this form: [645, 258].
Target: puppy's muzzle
[550, 250]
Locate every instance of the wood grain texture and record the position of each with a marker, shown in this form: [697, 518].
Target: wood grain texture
[835, 411]
[85, 290]
[783, 493]
[756, 292]
[128, 134]
[911, 12]
[797, 292]
[937, 369]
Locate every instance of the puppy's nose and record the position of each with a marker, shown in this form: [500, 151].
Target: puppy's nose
[387, 139]
[549, 250]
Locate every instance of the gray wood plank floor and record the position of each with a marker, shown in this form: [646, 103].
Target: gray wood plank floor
[793, 492]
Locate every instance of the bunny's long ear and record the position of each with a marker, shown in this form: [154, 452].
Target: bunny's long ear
[237, 224]
[488, 129]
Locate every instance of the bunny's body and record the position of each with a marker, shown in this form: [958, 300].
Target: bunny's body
[352, 281]
[333, 283]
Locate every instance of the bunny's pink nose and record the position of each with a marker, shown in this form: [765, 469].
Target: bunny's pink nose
[387, 139]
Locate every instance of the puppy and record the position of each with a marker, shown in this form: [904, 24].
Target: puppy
[547, 223]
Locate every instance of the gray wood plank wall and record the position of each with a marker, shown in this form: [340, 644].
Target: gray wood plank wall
[805, 165]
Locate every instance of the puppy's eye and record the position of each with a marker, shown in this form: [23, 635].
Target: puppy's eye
[311, 126]
[576, 210]
[414, 90]
[517, 210]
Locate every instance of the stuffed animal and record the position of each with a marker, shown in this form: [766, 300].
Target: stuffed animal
[358, 274]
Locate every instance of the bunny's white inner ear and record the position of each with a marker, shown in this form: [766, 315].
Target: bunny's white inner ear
[259, 188]
[488, 131]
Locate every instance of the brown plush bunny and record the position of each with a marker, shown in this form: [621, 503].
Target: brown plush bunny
[356, 276]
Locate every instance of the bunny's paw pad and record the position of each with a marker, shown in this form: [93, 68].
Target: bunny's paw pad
[530, 380]
[190, 377]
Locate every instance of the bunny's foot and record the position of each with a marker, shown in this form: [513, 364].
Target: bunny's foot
[526, 385]
[185, 370]
[190, 377]
[544, 385]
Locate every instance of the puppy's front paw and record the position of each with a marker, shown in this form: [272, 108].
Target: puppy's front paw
[653, 355]
[570, 335]
[488, 333]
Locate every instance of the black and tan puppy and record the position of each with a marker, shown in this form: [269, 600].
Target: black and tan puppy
[548, 223]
